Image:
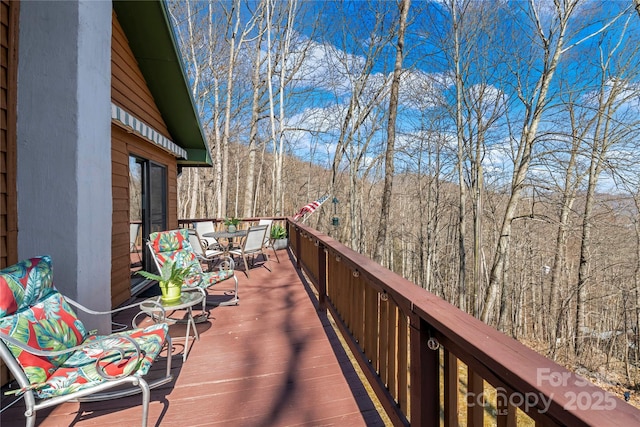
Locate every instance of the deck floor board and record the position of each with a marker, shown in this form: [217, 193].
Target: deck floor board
[270, 361]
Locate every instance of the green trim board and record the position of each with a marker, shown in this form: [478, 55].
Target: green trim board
[148, 29]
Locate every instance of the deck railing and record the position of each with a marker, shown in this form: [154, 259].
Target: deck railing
[412, 347]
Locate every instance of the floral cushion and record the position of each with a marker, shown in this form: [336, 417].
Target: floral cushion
[174, 245]
[79, 371]
[49, 325]
[211, 278]
[22, 284]
[33, 312]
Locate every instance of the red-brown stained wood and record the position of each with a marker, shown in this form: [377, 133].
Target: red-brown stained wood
[128, 87]
[9, 13]
[123, 144]
[8, 149]
[129, 90]
[450, 380]
[270, 361]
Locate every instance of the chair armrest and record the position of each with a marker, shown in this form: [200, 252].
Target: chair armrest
[118, 326]
[90, 311]
[213, 245]
[227, 263]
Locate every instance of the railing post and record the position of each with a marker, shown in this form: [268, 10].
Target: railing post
[298, 248]
[322, 279]
[425, 378]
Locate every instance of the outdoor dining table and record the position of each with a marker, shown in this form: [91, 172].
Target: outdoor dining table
[228, 236]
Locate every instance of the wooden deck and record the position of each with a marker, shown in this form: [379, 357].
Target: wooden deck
[270, 361]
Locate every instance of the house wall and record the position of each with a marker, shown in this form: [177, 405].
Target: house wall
[128, 87]
[123, 145]
[129, 91]
[8, 87]
[64, 147]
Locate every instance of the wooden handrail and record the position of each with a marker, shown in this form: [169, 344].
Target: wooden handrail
[403, 336]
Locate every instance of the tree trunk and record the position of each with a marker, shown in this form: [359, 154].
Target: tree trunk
[391, 133]
[535, 107]
[249, 177]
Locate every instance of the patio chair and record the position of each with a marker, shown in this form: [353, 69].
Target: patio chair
[134, 232]
[174, 245]
[252, 244]
[268, 241]
[202, 253]
[52, 356]
[206, 227]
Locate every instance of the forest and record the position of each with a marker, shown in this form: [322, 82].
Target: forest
[488, 154]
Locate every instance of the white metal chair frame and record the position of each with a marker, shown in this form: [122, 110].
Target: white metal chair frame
[202, 227]
[268, 241]
[204, 254]
[96, 393]
[225, 265]
[252, 244]
[134, 232]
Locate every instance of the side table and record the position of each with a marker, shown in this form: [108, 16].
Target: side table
[187, 301]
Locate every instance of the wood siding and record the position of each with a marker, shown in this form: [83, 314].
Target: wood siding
[129, 90]
[8, 87]
[128, 87]
[8, 92]
[123, 145]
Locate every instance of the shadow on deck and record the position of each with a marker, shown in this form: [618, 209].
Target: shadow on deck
[270, 361]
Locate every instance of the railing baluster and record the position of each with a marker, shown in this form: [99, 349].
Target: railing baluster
[506, 416]
[424, 402]
[383, 346]
[393, 350]
[322, 279]
[451, 379]
[371, 325]
[403, 363]
[475, 402]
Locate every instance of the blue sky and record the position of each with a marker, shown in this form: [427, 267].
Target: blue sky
[336, 36]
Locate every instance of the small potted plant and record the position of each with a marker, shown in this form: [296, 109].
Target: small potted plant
[231, 224]
[170, 279]
[278, 236]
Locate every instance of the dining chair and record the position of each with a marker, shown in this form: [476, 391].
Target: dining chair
[204, 254]
[268, 241]
[252, 244]
[134, 233]
[203, 227]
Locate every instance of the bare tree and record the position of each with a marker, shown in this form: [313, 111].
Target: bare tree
[403, 8]
[614, 93]
[256, 110]
[551, 42]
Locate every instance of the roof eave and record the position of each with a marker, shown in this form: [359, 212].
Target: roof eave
[152, 40]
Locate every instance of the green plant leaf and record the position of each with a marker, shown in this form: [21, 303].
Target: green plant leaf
[278, 232]
[169, 272]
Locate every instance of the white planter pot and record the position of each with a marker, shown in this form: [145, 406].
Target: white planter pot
[280, 244]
